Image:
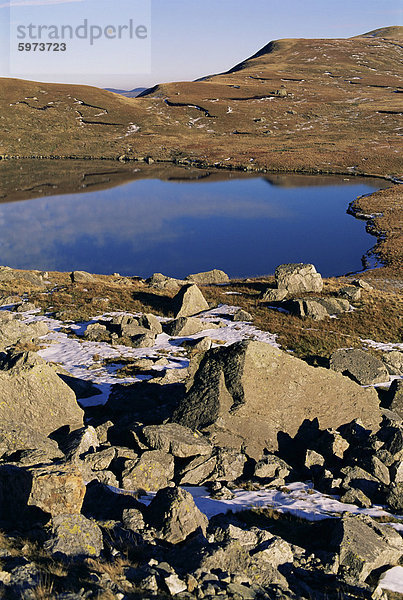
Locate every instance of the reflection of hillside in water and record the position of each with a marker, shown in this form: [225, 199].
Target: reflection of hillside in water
[135, 223]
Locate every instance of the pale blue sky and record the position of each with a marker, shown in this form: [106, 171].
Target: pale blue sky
[191, 38]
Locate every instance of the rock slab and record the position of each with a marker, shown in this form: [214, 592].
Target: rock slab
[248, 393]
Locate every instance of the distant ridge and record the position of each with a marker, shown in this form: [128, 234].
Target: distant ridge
[394, 32]
[127, 93]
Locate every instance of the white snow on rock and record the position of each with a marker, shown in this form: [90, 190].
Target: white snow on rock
[392, 580]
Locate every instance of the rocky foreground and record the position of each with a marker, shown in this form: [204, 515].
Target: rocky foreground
[217, 478]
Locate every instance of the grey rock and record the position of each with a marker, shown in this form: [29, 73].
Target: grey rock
[79, 442]
[15, 438]
[151, 472]
[174, 515]
[13, 331]
[33, 277]
[351, 293]
[396, 397]
[189, 301]
[364, 546]
[95, 332]
[243, 395]
[394, 498]
[358, 478]
[184, 326]
[356, 496]
[242, 315]
[174, 584]
[271, 467]
[298, 278]
[209, 277]
[133, 519]
[146, 340]
[74, 536]
[230, 464]
[274, 552]
[274, 295]
[81, 277]
[150, 322]
[32, 395]
[317, 308]
[101, 460]
[394, 362]
[365, 368]
[313, 459]
[197, 471]
[362, 284]
[176, 439]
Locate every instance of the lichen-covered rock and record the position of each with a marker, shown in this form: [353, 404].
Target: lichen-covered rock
[298, 278]
[32, 394]
[274, 295]
[189, 301]
[53, 489]
[151, 322]
[176, 439]
[151, 472]
[246, 394]
[317, 308]
[74, 536]
[14, 438]
[362, 366]
[394, 362]
[174, 515]
[13, 331]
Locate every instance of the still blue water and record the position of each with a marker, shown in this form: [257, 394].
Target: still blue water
[244, 226]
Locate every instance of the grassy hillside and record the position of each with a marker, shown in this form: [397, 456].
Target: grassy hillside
[319, 105]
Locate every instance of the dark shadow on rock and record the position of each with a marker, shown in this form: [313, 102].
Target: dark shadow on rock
[81, 387]
[15, 489]
[148, 403]
[103, 504]
[155, 302]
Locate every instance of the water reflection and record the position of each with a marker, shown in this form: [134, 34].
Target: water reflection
[243, 226]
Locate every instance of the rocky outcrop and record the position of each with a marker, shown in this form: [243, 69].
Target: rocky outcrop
[209, 277]
[361, 366]
[249, 393]
[12, 330]
[189, 301]
[31, 393]
[298, 278]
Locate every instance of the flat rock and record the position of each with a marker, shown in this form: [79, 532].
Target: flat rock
[178, 440]
[362, 366]
[151, 472]
[248, 393]
[209, 277]
[189, 301]
[184, 326]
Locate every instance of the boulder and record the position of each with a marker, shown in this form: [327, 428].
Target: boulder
[361, 366]
[143, 340]
[242, 315]
[273, 468]
[13, 331]
[81, 277]
[164, 283]
[174, 515]
[246, 394]
[362, 284]
[189, 301]
[32, 394]
[151, 472]
[34, 277]
[178, 440]
[394, 362]
[95, 332]
[16, 438]
[351, 293]
[50, 489]
[74, 536]
[298, 278]
[197, 471]
[363, 545]
[274, 295]
[317, 308]
[185, 326]
[209, 277]
[151, 322]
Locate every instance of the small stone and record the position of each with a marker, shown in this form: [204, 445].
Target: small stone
[242, 315]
